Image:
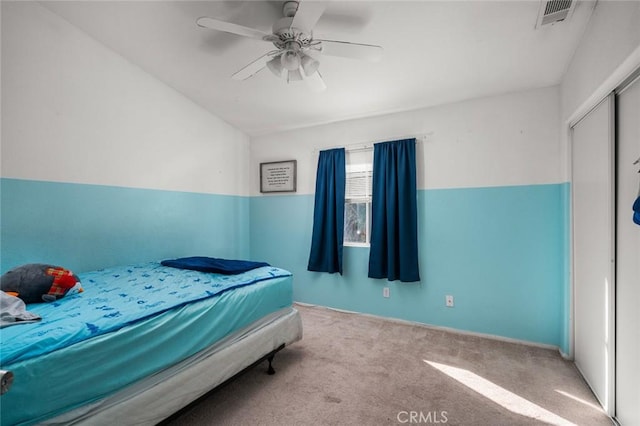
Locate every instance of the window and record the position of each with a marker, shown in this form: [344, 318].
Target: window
[357, 208]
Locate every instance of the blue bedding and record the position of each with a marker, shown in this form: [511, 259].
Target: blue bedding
[114, 298]
[106, 364]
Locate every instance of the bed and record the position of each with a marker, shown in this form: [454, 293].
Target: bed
[141, 342]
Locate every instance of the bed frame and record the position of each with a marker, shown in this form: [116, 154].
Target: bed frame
[157, 397]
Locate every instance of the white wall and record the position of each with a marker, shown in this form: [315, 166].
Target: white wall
[509, 139]
[612, 36]
[75, 111]
[102, 164]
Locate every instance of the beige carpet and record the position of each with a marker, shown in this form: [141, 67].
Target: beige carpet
[351, 369]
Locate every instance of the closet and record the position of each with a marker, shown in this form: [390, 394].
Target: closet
[627, 386]
[605, 182]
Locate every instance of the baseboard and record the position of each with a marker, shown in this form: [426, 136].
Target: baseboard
[442, 328]
[565, 356]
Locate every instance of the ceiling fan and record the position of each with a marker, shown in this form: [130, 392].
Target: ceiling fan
[297, 54]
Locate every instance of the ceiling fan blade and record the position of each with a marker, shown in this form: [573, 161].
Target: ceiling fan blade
[253, 68]
[314, 81]
[308, 14]
[367, 52]
[228, 27]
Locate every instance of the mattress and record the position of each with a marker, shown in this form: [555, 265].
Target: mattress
[151, 400]
[61, 363]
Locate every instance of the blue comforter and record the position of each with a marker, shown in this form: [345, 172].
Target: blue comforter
[113, 298]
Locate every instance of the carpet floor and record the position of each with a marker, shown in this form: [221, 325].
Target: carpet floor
[352, 369]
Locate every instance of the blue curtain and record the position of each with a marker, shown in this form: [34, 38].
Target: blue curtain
[328, 213]
[394, 216]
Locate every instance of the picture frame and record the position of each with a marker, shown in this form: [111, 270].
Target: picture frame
[278, 176]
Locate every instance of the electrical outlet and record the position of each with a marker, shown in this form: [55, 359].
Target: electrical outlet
[448, 300]
[385, 291]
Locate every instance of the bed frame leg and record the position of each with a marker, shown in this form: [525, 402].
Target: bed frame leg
[270, 370]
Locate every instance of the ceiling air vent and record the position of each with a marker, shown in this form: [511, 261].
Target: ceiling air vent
[552, 11]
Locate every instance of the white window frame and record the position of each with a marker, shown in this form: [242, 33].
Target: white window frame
[361, 163]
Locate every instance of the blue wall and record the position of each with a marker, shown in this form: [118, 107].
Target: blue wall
[500, 251]
[85, 227]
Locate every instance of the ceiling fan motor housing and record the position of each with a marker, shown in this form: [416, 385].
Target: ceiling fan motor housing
[286, 34]
[283, 26]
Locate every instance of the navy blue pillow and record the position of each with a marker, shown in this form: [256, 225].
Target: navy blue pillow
[212, 264]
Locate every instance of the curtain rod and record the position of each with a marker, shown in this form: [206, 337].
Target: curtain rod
[362, 146]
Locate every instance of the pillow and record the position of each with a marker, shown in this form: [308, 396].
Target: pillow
[213, 264]
[37, 282]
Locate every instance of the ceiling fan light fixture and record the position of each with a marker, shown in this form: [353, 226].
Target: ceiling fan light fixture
[294, 75]
[275, 66]
[290, 60]
[309, 65]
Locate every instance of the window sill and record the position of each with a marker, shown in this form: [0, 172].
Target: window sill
[363, 245]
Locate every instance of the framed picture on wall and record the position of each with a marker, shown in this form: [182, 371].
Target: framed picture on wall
[278, 176]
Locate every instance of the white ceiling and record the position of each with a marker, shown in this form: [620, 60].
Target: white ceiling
[435, 52]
